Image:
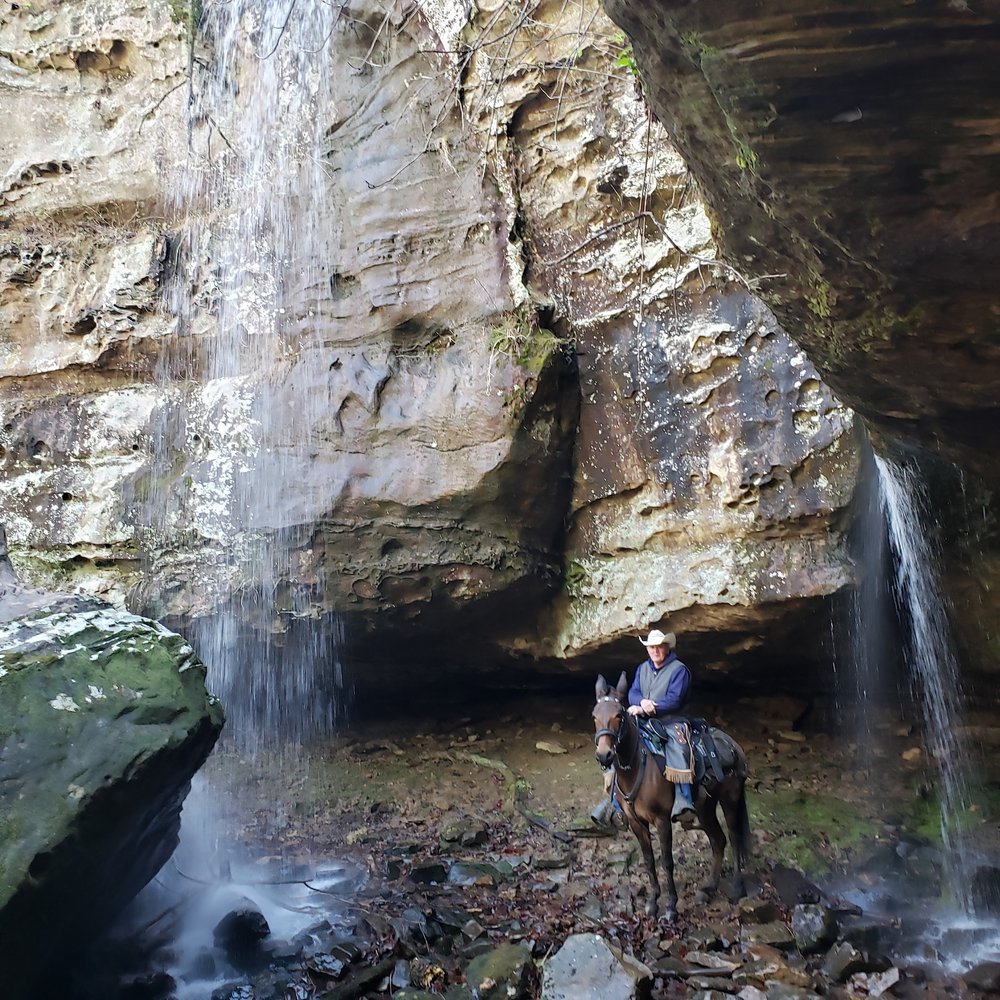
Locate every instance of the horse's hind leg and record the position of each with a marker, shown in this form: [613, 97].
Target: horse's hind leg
[732, 795]
[641, 831]
[709, 820]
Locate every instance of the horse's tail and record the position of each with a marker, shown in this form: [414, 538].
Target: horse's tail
[740, 835]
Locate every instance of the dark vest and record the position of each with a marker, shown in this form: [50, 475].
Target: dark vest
[654, 683]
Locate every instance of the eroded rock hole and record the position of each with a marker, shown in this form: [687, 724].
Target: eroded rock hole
[341, 286]
[392, 545]
[84, 325]
[92, 62]
[120, 53]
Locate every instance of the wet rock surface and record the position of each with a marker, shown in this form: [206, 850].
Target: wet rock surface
[393, 800]
[549, 289]
[104, 718]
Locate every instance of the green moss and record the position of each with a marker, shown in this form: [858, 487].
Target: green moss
[884, 325]
[924, 816]
[187, 13]
[818, 830]
[744, 156]
[520, 338]
[821, 298]
[576, 574]
[694, 42]
[57, 704]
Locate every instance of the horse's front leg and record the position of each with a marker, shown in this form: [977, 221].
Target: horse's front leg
[666, 835]
[641, 831]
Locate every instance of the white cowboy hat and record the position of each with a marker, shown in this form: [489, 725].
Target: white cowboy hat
[658, 638]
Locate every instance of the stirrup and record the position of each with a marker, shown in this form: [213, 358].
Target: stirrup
[687, 819]
[603, 814]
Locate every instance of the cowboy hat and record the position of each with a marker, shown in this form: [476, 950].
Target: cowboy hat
[658, 638]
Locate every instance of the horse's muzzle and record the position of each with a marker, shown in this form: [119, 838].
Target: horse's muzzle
[605, 756]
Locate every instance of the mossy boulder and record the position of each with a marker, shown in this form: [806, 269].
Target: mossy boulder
[500, 974]
[104, 718]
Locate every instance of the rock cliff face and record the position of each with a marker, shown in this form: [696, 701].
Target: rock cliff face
[848, 154]
[521, 381]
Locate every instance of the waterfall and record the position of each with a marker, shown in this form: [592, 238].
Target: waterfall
[246, 411]
[933, 667]
[234, 489]
[872, 664]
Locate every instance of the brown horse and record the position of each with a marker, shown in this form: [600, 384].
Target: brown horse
[647, 798]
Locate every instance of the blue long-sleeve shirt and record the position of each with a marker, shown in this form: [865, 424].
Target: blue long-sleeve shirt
[667, 687]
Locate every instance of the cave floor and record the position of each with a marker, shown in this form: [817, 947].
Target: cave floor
[396, 796]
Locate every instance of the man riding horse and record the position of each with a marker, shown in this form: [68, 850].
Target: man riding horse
[660, 692]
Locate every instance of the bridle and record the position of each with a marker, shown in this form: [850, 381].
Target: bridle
[616, 736]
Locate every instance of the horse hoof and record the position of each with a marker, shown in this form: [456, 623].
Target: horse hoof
[651, 908]
[671, 915]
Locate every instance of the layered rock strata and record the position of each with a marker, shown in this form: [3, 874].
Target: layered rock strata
[848, 156]
[499, 211]
[712, 463]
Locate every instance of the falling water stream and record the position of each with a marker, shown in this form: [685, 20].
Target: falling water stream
[900, 613]
[245, 415]
[933, 668]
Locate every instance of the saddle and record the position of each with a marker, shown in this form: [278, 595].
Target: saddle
[716, 754]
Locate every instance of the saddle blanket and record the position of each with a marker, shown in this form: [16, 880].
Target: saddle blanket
[715, 753]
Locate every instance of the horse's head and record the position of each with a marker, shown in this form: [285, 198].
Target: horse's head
[609, 719]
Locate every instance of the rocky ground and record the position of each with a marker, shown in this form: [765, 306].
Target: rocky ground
[471, 832]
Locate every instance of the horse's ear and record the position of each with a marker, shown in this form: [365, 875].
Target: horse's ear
[602, 686]
[622, 688]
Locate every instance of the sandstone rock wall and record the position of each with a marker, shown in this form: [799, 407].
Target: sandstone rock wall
[517, 267]
[848, 157]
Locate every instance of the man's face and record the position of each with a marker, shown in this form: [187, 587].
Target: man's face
[658, 654]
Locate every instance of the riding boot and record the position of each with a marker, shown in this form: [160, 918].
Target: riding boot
[683, 811]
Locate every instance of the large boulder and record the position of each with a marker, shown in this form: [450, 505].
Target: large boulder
[104, 718]
[586, 967]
